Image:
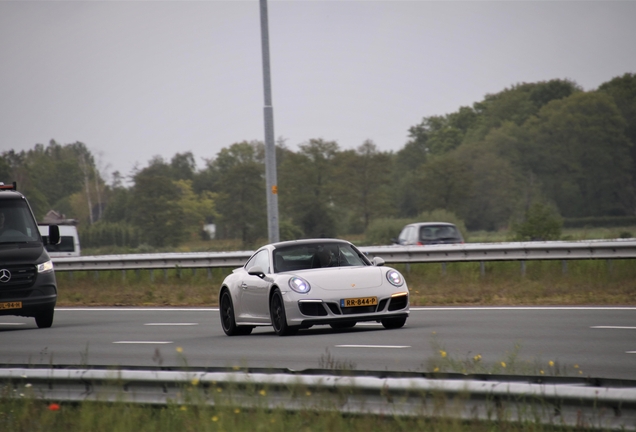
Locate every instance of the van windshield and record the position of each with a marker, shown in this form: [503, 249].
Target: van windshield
[16, 222]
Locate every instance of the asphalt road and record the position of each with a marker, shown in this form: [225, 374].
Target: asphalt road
[600, 341]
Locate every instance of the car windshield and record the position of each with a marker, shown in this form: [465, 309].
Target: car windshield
[317, 255]
[438, 232]
[16, 223]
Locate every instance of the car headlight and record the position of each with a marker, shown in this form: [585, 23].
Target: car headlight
[299, 285]
[395, 278]
[45, 267]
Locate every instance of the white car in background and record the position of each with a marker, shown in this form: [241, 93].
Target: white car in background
[299, 284]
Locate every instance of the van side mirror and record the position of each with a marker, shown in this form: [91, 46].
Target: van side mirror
[54, 235]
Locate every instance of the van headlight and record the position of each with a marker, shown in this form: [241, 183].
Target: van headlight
[45, 267]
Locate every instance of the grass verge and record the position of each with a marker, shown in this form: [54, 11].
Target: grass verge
[589, 282]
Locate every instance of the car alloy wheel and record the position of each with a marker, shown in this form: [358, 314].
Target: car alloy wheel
[228, 321]
[279, 319]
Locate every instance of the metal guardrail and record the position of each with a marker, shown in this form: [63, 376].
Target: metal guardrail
[586, 403]
[475, 252]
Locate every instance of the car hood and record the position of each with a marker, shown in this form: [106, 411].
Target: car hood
[344, 278]
[22, 253]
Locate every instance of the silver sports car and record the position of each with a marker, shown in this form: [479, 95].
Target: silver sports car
[297, 284]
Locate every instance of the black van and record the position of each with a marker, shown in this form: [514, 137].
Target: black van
[27, 280]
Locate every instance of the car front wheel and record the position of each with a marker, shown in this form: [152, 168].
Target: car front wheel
[278, 316]
[228, 321]
[394, 323]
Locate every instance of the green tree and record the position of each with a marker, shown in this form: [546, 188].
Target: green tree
[240, 185]
[362, 184]
[623, 90]
[156, 210]
[578, 149]
[307, 188]
[541, 223]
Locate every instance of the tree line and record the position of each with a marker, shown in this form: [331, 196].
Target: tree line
[548, 145]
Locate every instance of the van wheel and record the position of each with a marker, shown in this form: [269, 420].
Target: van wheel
[45, 319]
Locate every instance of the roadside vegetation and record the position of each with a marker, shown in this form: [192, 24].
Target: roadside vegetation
[530, 160]
[597, 282]
[31, 415]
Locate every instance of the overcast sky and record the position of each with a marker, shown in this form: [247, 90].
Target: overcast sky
[135, 79]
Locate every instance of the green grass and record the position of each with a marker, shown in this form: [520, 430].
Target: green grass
[22, 411]
[590, 282]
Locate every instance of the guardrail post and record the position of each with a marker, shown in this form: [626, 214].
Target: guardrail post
[96, 275]
[408, 267]
[482, 268]
[444, 269]
[209, 273]
[564, 267]
[523, 268]
[123, 275]
[152, 275]
[194, 272]
[610, 266]
[165, 274]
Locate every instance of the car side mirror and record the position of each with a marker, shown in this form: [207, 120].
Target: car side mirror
[54, 235]
[256, 271]
[378, 262]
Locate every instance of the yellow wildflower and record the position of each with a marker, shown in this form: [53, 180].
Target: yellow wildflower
[442, 353]
[503, 364]
[179, 350]
[215, 419]
[262, 393]
[551, 363]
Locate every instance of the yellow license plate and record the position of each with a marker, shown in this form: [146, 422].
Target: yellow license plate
[360, 301]
[11, 305]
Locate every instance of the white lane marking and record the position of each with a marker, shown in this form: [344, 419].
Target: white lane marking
[144, 342]
[171, 324]
[613, 327]
[630, 352]
[374, 346]
[12, 324]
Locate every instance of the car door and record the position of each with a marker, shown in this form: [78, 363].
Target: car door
[254, 290]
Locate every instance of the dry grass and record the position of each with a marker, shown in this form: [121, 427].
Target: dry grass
[585, 283]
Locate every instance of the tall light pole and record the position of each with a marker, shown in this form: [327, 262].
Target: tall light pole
[270, 146]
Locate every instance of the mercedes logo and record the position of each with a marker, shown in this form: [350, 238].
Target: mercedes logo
[5, 275]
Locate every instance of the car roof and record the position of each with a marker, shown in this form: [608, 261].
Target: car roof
[431, 224]
[307, 241]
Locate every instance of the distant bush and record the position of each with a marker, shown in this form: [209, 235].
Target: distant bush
[103, 234]
[541, 223]
[382, 231]
[603, 221]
